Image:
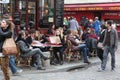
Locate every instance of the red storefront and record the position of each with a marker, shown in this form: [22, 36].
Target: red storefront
[105, 11]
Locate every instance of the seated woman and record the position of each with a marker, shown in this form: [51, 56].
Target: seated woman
[51, 30]
[40, 37]
[78, 46]
[27, 51]
[59, 32]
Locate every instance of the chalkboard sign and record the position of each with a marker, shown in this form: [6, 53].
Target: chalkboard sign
[59, 10]
[16, 18]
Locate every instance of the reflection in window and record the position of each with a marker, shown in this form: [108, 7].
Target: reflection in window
[46, 12]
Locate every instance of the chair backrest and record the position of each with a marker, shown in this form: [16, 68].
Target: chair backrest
[18, 50]
[69, 45]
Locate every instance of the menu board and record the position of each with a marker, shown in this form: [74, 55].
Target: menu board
[59, 12]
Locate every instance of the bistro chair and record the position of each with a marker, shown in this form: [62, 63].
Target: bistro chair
[69, 54]
[22, 61]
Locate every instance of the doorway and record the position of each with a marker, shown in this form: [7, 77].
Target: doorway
[97, 14]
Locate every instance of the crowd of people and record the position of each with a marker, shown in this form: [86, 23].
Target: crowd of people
[84, 38]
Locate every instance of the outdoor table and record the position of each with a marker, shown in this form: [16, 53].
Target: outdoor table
[43, 45]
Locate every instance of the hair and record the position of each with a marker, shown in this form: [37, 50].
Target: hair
[32, 31]
[20, 34]
[7, 22]
[110, 22]
[103, 26]
[69, 32]
[8, 18]
[74, 32]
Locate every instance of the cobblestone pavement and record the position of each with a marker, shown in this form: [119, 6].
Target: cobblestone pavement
[88, 73]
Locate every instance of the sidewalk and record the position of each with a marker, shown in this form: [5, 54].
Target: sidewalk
[53, 68]
[63, 68]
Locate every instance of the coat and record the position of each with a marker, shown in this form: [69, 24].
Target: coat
[74, 43]
[3, 35]
[24, 49]
[113, 38]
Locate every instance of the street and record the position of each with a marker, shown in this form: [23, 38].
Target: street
[88, 73]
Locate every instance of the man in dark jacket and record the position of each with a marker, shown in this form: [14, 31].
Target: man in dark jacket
[110, 44]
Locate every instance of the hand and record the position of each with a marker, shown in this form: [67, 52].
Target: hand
[31, 47]
[115, 49]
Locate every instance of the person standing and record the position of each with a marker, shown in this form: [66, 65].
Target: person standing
[5, 33]
[110, 44]
[15, 71]
[96, 25]
[101, 38]
[73, 24]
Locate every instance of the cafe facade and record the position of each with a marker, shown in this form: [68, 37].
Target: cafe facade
[35, 13]
[105, 11]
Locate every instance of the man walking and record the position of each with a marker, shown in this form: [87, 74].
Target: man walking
[110, 44]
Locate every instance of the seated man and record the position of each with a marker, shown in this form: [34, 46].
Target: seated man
[27, 51]
[77, 46]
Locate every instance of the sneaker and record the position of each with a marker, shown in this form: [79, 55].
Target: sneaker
[112, 69]
[19, 71]
[100, 70]
[16, 74]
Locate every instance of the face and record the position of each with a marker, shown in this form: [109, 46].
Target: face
[57, 32]
[24, 36]
[37, 33]
[4, 24]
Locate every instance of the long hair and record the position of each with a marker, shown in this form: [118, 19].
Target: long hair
[20, 34]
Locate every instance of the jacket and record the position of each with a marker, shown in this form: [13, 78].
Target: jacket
[113, 38]
[74, 43]
[3, 35]
[24, 49]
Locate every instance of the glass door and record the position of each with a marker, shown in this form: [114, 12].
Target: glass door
[28, 14]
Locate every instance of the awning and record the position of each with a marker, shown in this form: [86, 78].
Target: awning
[92, 7]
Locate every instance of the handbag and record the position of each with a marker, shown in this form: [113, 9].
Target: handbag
[100, 45]
[9, 47]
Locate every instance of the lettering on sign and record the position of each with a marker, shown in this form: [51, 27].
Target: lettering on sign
[91, 8]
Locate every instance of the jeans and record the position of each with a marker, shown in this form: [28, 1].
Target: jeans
[108, 49]
[84, 49]
[12, 64]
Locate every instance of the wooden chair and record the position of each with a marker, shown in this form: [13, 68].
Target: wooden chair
[22, 61]
[69, 54]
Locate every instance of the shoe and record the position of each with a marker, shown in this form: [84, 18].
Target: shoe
[112, 69]
[101, 70]
[61, 62]
[87, 62]
[19, 71]
[40, 68]
[16, 74]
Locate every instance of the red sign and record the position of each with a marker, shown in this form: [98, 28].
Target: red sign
[91, 8]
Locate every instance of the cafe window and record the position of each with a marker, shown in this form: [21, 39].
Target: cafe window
[46, 13]
[31, 13]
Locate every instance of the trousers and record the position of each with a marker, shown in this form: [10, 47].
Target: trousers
[4, 62]
[107, 50]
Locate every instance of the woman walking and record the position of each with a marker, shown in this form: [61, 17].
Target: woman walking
[5, 33]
